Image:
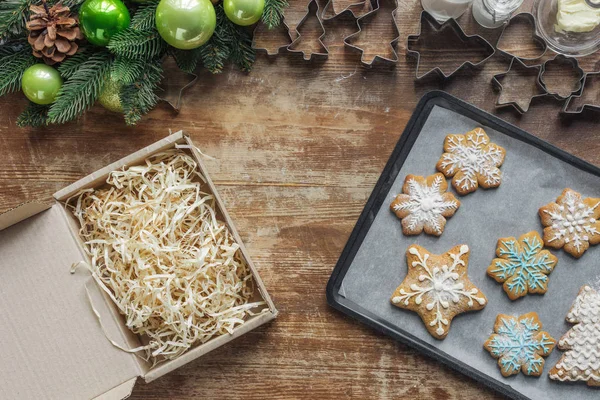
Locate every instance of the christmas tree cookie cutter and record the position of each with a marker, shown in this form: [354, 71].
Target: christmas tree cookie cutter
[393, 43]
[312, 8]
[429, 26]
[521, 104]
[520, 18]
[577, 88]
[353, 9]
[590, 79]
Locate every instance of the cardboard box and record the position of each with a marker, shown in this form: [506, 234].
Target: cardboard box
[52, 345]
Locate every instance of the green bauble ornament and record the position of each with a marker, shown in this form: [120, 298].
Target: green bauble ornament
[101, 19]
[40, 83]
[244, 12]
[110, 96]
[185, 24]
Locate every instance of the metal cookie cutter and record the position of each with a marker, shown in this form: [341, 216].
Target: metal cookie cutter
[366, 4]
[265, 50]
[430, 26]
[311, 9]
[365, 19]
[176, 105]
[591, 78]
[563, 60]
[522, 104]
[530, 19]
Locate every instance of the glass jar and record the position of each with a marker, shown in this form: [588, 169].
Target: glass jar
[443, 10]
[494, 13]
[574, 44]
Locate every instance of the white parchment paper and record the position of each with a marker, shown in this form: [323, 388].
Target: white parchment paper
[532, 178]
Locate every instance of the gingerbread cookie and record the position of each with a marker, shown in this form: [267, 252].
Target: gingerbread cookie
[519, 344]
[437, 288]
[424, 204]
[522, 265]
[581, 362]
[472, 161]
[571, 222]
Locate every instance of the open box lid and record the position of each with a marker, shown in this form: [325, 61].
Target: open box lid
[53, 345]
[50, 340]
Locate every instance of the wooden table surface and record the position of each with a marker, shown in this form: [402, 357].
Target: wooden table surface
[297, 147]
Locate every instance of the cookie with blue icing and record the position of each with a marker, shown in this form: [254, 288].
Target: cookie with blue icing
[522, 265]
[520, 344]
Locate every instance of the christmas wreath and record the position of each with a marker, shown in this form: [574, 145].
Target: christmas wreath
[66, 55]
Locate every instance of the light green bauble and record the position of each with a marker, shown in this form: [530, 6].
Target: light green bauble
[40, 83]
[186, 24]
[244, 12]
[102, 19]
[110, 96]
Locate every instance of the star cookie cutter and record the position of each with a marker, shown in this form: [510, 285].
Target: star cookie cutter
[577, 90]
[268, 51]
[365, 19]
[350, 8]
[437, 28]
[324, 52]
[530, 19]
[521, 107]
[589, 77]
[176, 105]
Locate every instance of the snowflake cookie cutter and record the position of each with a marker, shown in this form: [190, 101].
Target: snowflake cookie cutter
[378, 59]
[267, 51]
[350, 9]
[577, 90]
[589, 77]
[432, 25]
[521, 107]
[323, 54]
[530, 19]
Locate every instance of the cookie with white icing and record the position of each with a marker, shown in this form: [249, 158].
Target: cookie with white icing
[522, 265]
[471, 161]
[520, 344]
[437, 288]
[424, 204]
[571, 222]
[581, 360]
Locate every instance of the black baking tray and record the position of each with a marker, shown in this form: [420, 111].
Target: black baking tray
[376, 201]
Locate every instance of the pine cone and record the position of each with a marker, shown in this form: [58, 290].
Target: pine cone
[53, 32]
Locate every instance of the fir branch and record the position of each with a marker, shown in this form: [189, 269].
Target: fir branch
[82, 89]
[187, 60]
[68, 67]
[273, 12]
[127, 70]
[131, 43]
[242, 53]
[12, 65]
[145, 16]
[139, 98]
[13, 16]
[34, 115]
[217, 50]
[72, 4]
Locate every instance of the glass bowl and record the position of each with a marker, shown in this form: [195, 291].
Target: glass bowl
[575, 44]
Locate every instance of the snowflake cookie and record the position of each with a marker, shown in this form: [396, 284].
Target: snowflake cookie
[519, 344]
[424, 204]
[437, 288]
[571, 222]
[472, 160]
[581, 361]
[522, 265]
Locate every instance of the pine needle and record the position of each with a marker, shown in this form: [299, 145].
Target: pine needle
[145, 16]
[34, 115]
[139, 97]
[82, 89]
[187, 60]
[131, 43]
[127, 70]
[12, 64]
[273, 13]
[13, 15]
[68, 67]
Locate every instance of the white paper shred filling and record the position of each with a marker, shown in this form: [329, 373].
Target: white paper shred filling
[159, 251]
